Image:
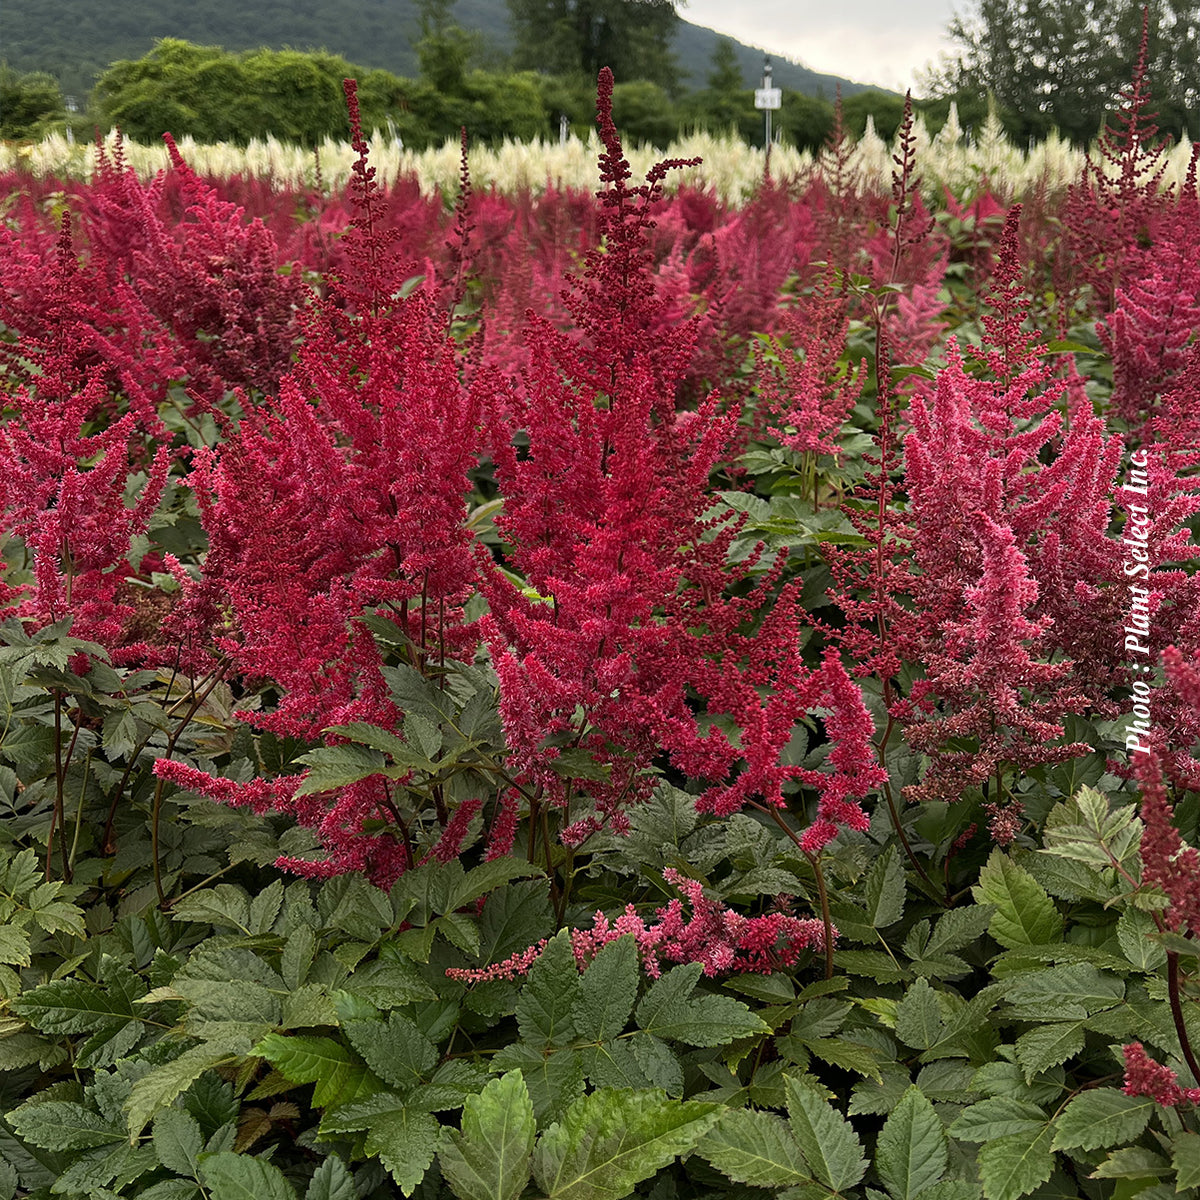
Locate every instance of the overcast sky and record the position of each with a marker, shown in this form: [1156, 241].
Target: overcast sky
[869, 41]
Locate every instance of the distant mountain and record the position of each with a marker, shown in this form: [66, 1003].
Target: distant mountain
[76, 39]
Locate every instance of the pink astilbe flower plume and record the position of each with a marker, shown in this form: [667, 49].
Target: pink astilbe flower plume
[974, 580]
[810, 395]
[723, 941]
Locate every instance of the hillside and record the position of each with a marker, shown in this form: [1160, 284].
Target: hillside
[76, 39]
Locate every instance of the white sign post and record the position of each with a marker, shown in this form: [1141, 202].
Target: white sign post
[767, 98]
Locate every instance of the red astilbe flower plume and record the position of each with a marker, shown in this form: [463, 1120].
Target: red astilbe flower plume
[67, 463]
[211, 280]
[346, 498]
[1170, 596]
[1149, 331]
[626, 619]
[1145, 1077]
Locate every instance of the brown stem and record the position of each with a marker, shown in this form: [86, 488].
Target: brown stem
[822, 890]
[156, 807]
[57, 815]
[1175, 997]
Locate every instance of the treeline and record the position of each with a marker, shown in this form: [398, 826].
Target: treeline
[216, 96]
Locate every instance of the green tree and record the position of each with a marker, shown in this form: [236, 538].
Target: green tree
[885, 109]
[28, 103]
[806, 121]
[1061, 63]
[578, 37]
[643, 112]
[444, 49]
[726, 103]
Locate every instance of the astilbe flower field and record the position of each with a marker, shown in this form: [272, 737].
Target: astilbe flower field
[509, 695]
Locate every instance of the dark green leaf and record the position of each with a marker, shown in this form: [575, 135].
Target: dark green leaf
[885, 889]
[1012, 1166]
[669, 1010]
[1025, 915]
[336, 1071]
[998, 1116]
[608, 990]
[830, 1146]
[64, 1125]
[610, 1141]
[396, 1050]
[549, 997]
[918, 1020]
[490, 1158]
[230, 1176]
[911, 1153]
[1101, 1117]
[756, 1148]
[1185, 1158]
[177, 1140]
[331, 1181]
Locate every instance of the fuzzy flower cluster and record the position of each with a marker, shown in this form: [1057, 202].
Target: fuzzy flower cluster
[1145, 1077]
[724, 942]
[1166, 862]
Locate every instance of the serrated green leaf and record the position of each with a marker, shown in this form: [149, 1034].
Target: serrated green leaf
[918, 1020]
[73, 1005]
[819, 1018]
[612, 1063]
[64, 1125]
[14, 945]
[177, 1140]
[227, 906]
[514, 917]
[333, 767]
[1025, 915]
[1070, 991]
[885, 889]
[873, 963]
[157, 1088]
[608, 989]
[550, 995]
[490, 1158]
[1100, 1118]
[1132, 1162]
[1048, 1045]
[404, 1138]
[829, 1144]
[610, 1141]
[554, 1079]
[395, 1049]
[850, 1056]
[1012, 1166]
[756, 1148]
[659, 1064]
[336, 1071]
[331, 1181]
[998, 1116]
[1134, 931]
[958, 928]
[669, 1010]
[911, 1153]
[230, 1176]
[1185, 1158]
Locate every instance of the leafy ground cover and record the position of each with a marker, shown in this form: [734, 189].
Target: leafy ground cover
[601, 696]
